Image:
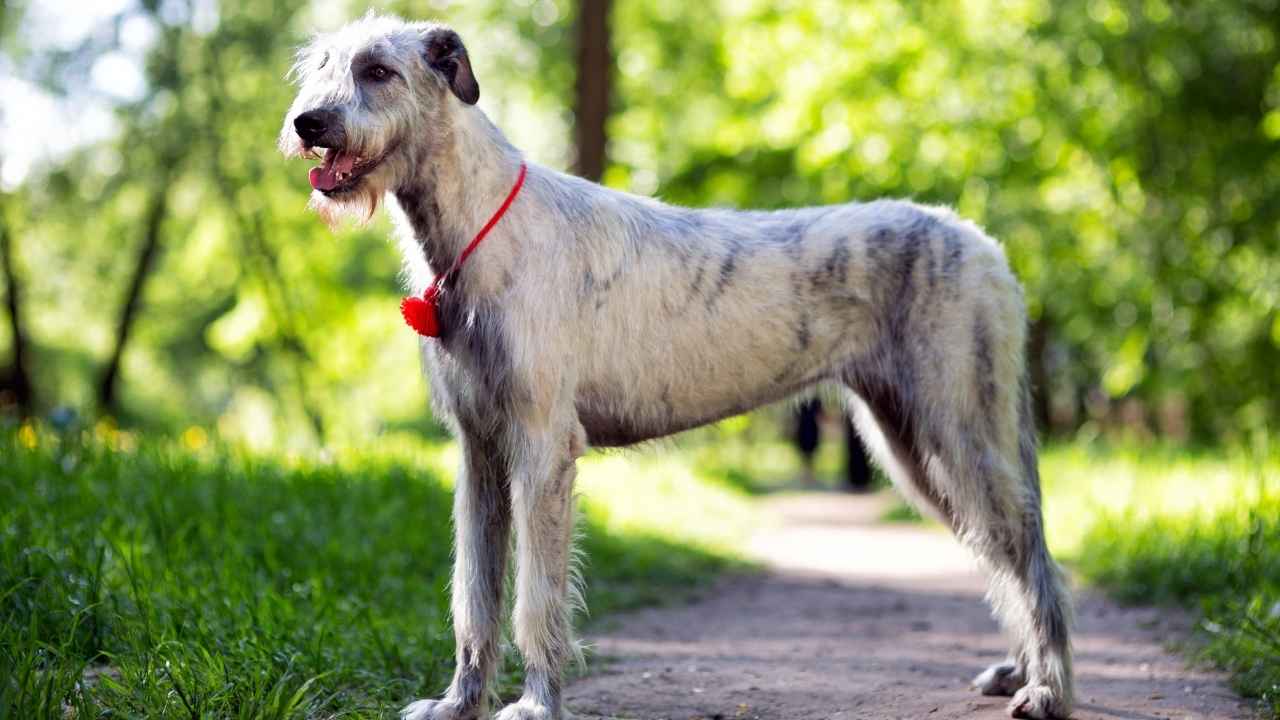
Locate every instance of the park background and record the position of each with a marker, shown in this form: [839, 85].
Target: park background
[185, 350]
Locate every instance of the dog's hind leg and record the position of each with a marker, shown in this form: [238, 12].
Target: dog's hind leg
[964, 449]
[1029, 594]
[482, 521]
[547, 591]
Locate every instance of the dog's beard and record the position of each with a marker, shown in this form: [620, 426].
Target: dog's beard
[359, 203]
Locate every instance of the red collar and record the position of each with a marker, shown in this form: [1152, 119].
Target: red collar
[420, 313]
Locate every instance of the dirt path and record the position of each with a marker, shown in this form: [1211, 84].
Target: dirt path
[861, 620]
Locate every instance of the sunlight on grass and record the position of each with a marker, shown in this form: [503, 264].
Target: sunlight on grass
[1084, 486]
[663, 493]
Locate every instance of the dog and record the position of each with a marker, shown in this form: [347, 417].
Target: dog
[591, 317]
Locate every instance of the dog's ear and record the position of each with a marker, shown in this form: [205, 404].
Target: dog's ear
[446, 55]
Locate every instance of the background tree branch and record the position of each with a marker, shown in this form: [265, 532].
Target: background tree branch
[16, 387]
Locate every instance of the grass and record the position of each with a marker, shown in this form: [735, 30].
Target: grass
[902, 512]
[165, 579]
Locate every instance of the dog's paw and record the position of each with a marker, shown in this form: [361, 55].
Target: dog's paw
[1002, 679]
[436, 710]
[1038, 702]
[525, 709]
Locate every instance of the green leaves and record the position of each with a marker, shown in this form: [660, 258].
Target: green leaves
[1124, 150]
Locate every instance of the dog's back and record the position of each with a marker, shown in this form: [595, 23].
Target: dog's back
[666, 294]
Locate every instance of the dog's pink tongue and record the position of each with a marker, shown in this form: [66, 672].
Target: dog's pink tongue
[322, 178]
[325, 177]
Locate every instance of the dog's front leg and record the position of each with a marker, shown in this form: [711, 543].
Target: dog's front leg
[482, 521]
[542, 505]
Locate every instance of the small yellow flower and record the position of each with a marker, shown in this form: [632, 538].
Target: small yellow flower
[194, 438]
[27, 436]
[105, 430]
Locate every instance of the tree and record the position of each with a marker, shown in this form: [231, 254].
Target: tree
[16, 387]
[595, 68]
[108, 400]
[16, 381]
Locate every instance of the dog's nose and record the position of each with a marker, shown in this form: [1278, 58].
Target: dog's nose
[311, 126]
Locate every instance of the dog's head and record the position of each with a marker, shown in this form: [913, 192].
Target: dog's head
[375, 99]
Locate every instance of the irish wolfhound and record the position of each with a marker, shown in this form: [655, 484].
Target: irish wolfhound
[594, 317]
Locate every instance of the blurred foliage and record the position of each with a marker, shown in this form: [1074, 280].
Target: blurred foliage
[1124, 150]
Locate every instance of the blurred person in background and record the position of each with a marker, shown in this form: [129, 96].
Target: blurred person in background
[808, 435]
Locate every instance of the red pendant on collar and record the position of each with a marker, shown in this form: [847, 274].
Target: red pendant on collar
[421, 313]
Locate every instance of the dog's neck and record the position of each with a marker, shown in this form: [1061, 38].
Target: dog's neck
[455, 189]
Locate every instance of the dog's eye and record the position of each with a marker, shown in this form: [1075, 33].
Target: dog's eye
[324, 60]
[378, 73]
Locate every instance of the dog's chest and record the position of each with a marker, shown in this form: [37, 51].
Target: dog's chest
[469, 364]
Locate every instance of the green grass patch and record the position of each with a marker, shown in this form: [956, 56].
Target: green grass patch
[901, 512]
[1202, 531]
[164, 579]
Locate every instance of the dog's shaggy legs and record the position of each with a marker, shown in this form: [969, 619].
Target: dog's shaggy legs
[1030, 597]
[482, 521]
[1027, 593]
[546, 590]
[1004, 678]
[966, 481]
[950, 421]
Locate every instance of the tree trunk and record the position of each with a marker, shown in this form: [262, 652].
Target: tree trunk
[595, 66]
[108, 384]
[17, 384]
[1038, 368]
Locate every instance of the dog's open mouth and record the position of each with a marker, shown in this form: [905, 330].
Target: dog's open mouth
[340, 171]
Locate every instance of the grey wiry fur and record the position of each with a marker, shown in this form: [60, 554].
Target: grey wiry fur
[593, 317]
